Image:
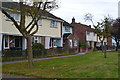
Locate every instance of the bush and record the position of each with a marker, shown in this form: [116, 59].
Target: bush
[95, 49]
[38, 46]
[82, 44]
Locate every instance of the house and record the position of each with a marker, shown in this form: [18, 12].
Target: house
[82, 32]
[66, 31]
[49, 33]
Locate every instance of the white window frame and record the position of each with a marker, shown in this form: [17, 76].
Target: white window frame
[38, 39]
[53, 24]
[8, 42]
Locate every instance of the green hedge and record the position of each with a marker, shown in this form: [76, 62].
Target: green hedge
[38, 46]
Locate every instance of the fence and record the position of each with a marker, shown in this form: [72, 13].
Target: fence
[12, 55]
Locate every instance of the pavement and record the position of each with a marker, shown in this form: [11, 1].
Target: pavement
[12, 62]
[12, 76]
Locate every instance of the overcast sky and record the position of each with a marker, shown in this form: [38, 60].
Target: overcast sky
[78, 8]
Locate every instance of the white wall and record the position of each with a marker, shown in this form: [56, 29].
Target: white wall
[91, 36]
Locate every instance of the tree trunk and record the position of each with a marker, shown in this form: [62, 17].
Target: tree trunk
[117, 44]
[105, 55]
[29, 50]
[102, 46]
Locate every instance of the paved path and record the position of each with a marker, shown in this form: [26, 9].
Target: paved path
[12, 76]
[42, 58]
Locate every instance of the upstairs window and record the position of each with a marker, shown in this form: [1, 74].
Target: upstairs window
[53, 24]
[67, 29]
[88, 33]
[15, 16]
[40, 22]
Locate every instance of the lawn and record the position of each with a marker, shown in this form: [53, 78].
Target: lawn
[91, 65]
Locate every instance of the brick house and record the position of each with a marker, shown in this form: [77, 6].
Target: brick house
[82, 32]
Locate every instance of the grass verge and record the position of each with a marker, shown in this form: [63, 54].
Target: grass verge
[91, 65]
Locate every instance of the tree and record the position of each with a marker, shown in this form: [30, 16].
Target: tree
[102, 29]
[35, 10]
[116, 32]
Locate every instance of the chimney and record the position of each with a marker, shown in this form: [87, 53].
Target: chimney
[90, 26]
[73, 20]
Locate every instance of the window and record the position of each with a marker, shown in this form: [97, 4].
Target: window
[36, 39]
[15, 16]
[67, 29]
[40, 22]
[18, 42]
[6, 42]
[88, 33]
[53, 24]
[75, 43]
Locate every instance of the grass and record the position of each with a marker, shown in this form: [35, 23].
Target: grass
[91, 65]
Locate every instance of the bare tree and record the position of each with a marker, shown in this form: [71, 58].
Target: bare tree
[102, 29]
[116, 32]
[36, 10]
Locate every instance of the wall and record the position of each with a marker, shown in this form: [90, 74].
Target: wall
[44, 30]
[91, 36]
[1, 22]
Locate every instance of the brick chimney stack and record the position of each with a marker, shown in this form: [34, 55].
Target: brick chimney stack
[73, 20]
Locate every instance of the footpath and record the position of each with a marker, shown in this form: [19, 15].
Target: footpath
[12, 62]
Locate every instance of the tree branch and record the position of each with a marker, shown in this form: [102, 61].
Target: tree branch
[34, 17]
[11, 18]
[35, 30]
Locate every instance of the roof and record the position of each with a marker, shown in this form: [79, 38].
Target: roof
[12, 5]
[86, 27]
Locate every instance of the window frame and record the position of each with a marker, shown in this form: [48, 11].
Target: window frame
[36, 38]
[53, 24]
[8, 45]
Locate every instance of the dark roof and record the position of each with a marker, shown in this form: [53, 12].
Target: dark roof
[12, 5]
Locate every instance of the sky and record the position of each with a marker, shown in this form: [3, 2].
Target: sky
[78, 8]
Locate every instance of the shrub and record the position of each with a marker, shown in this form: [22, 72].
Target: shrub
[95, 49]
[82, 44]
[38, 46]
